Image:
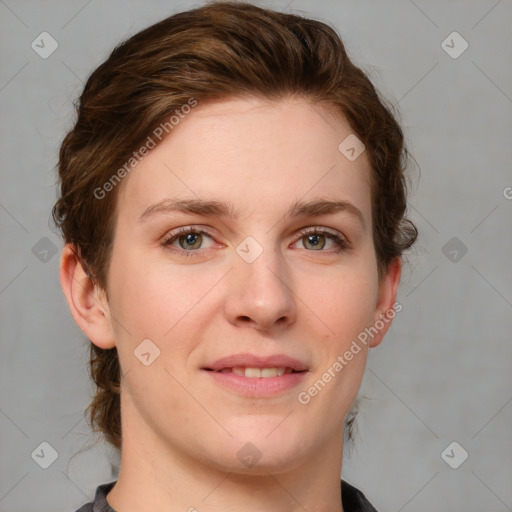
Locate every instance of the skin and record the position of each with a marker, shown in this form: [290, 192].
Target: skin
[181, 431]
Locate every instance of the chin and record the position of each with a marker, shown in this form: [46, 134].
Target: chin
[260, 449]
[250, 460]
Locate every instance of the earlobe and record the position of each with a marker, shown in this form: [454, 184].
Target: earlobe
[86, 301]
[386, 305]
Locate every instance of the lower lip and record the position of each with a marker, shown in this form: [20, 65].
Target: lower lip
[259, 386]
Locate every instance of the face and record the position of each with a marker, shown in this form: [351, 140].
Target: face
[263, 278]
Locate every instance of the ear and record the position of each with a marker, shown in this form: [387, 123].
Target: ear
[386, 307]
[86, 300]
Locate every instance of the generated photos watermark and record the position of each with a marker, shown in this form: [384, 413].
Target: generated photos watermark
[152, 140]
[305, 397]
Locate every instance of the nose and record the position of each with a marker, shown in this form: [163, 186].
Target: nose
[260, 293]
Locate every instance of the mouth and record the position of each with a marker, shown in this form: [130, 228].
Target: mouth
[256, 382]
[256, 375]
[255, 372]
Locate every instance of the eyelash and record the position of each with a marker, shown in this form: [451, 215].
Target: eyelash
[342, 243]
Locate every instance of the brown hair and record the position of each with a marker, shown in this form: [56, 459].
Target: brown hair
[220, 50]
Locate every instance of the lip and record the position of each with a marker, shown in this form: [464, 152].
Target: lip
[257, 387]
[254, 361]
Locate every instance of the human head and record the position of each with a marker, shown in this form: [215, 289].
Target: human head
[222, 50]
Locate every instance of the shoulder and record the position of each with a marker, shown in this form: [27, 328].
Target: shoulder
[100, 503]
[86, 508]
[354, 500]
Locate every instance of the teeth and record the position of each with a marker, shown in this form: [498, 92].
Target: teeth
[254, 373]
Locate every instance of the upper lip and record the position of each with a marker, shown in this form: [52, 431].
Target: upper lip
[254, 361]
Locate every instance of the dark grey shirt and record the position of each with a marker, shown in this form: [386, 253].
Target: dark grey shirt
[353, 500]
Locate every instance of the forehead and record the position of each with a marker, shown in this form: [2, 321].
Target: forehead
[256, 154]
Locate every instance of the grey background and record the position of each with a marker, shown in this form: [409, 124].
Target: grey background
[442, 373]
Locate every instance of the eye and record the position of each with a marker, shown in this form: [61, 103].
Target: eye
[316, 237]
[189, 239]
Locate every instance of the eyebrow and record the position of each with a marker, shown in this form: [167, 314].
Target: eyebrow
[313, 208]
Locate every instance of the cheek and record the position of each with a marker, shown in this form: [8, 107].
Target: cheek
[159, 301]
[343, 298]
[152, 297]
[145, 288]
